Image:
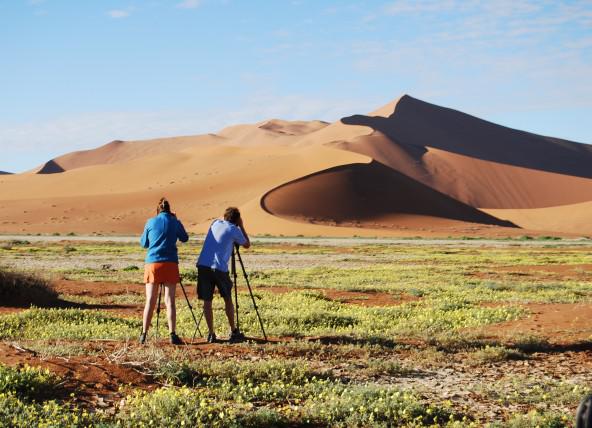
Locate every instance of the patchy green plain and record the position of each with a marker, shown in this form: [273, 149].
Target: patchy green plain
[362, 335]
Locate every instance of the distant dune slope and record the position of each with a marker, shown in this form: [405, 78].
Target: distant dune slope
[122, 151]
[5, 173]
[418, 123]
[573, 218]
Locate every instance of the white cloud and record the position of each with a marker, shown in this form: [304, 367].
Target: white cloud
[119, 13]
[421, 6]
[189, 4]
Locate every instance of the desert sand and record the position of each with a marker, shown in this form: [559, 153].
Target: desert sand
[408, 168]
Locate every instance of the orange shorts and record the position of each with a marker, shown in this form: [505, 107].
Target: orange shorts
[160, 273]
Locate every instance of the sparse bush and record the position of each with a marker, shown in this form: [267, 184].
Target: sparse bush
[17, 413]
[24, 289]
[28, 383]
[493, 354]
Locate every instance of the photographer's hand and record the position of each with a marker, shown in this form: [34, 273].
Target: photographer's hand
[241, 225]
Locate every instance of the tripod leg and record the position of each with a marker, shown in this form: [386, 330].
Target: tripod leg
[197, 327]
[190, 308]
[158, 309]
[251, 293]
[234, 274]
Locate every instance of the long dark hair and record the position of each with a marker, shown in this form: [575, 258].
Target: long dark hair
[163, 206]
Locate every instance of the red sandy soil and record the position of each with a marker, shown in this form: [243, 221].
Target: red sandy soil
[409, 168]
[559, 323]
[88, 377]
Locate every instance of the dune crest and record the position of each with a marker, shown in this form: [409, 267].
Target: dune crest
[118, 151]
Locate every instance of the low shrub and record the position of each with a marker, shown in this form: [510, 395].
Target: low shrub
[24, 289]
[28, 383]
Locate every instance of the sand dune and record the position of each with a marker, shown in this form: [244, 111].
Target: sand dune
[408, 168]
[365, 194]
[574, 219]
[118, 198]
[298, 127]
[5, 173]
[274, 131]
[415, 122]
[475, 182]
[122, 151]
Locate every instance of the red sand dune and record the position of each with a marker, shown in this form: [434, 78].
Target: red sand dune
[407, 168]
[366, 193]
[475, 182]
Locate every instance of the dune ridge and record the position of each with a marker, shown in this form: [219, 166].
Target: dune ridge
[119, 151]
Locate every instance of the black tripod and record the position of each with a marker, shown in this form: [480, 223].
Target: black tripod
[236, 253]
[160, 287]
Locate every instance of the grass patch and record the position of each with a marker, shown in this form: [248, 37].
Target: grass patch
[75, 324]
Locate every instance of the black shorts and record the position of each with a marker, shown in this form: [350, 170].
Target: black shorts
[208, 278]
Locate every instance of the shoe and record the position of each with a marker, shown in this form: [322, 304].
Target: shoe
[212, 338]
[176, 340]
[142, 339]
[236, 336]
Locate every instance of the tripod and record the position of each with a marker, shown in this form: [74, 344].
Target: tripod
[235, 254]
[236, 251]
[160, 287]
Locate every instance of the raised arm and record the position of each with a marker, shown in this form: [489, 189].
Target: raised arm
[246, 242]
[181, 233]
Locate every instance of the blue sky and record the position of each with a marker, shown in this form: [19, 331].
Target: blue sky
[77, 74]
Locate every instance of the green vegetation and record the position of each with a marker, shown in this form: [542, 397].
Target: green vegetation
[363, 335]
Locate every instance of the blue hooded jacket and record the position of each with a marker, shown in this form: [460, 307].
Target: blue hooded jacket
[160, 237]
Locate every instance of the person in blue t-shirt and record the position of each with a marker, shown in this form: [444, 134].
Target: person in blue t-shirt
[212, 268]
[162, 265]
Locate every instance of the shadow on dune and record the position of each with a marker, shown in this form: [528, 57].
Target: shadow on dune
[366, 192]
[421, 124]
[50, 167]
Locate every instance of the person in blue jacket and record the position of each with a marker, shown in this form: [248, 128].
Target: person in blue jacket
[212, 268]
[162, 265]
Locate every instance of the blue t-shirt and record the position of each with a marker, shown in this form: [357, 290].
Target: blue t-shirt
[160, 237]
[217, 247]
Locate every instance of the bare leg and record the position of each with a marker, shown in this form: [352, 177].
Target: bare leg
[229, 312]
[208, 315]
[169, 300]
[151, 297]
